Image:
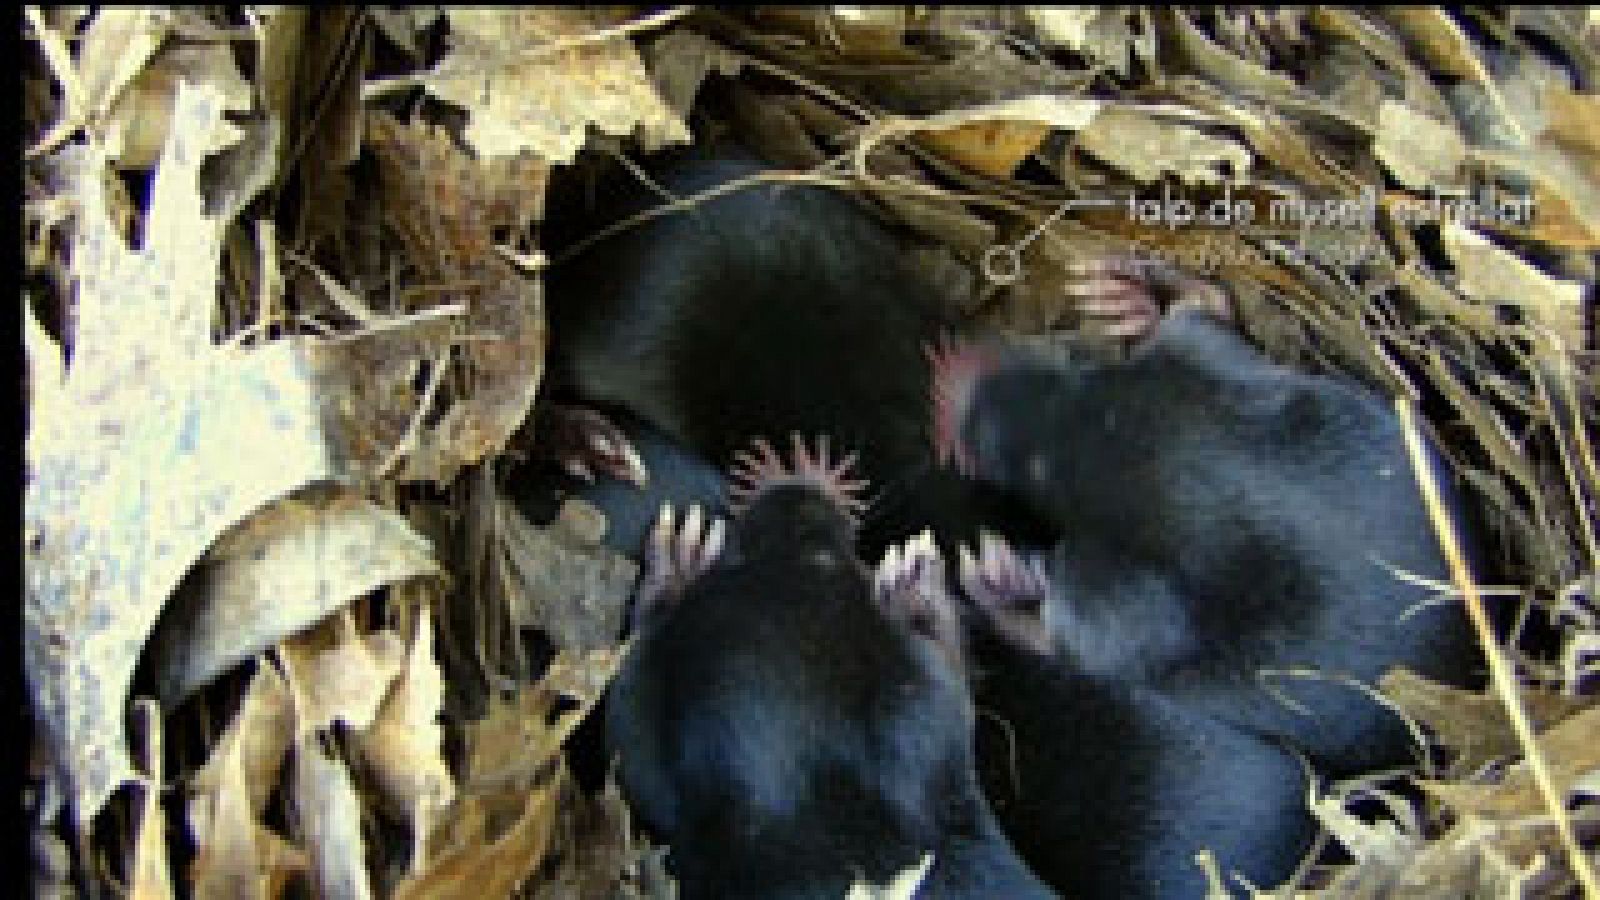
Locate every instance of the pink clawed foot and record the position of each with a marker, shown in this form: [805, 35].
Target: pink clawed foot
[1118, 295]
[675, 555]
[1115, 298]
[585, 443]
[909, 586]
[1012, 592]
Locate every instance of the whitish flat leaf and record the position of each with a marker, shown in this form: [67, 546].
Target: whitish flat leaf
[160, 442]
[276, 574]
[1106, 35]
[404, 744]
[336, 672]
[530, 80]
[327, 822]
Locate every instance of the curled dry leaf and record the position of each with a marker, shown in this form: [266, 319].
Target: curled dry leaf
[281, 571]
[532, 79]
[1494, 275]
[155, 442]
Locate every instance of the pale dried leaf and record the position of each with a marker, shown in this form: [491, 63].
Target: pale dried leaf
[136, 128]
[152, 873]
[335, 672]
[115, 48]
[171, 441]
[1496, 275]
[679, 63]
[279, 572]
[1147, 146]
[236, 854]
[1419, 151]
[327, 821]
[523, 93]
[404, 744]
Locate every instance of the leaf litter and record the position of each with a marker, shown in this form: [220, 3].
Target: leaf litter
[283, 309]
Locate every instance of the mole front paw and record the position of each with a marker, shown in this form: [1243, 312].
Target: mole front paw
[1124, 296]
[675, 556]
[909, 586]
[1012, 593]
[583, 442]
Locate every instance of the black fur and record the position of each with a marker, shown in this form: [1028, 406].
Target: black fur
[1219, 515]
[765, 311]
[785, 736]
[1108, 789]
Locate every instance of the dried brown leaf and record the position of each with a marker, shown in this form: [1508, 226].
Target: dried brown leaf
[1472, 724]
[572, 590]
[531, 83]
[159, 442]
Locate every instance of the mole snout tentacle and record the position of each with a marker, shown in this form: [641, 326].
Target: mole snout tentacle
[957, 367]
[761, 467]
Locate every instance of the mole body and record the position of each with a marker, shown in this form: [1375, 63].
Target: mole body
[763, 311]
[1223, 523]
[788, 721]
[1109, 787]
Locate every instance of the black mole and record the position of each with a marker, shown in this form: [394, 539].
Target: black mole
[789, 722]
[762, 311]
[1222, 523]
[1108, 787]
